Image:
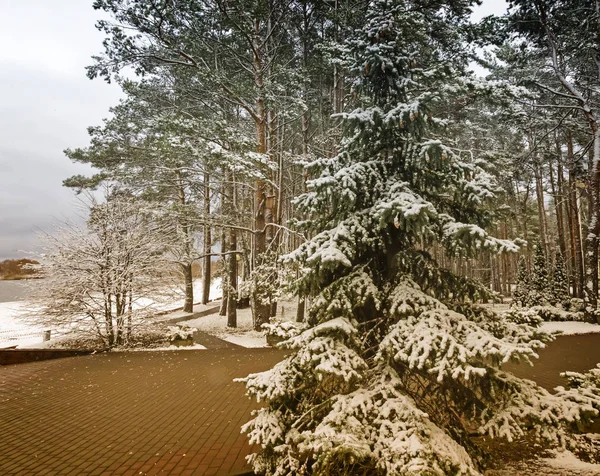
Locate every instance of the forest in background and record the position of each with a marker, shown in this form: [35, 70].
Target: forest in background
[233, 100]
[18, 269]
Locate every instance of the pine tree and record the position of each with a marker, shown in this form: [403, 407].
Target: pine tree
[389, 378]
[521, 294]
[560, 284]
[540, 283]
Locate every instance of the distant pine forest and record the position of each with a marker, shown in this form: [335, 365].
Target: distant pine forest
[19, 269]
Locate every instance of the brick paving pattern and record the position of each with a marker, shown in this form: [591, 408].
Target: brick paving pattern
[173, 412]
[577, 353]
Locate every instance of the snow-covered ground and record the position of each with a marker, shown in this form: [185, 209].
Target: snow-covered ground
[571, 328]
[567, 460]
[176, 299]
[162, 349]
[564, 463]
[243, 334]
[15, 331]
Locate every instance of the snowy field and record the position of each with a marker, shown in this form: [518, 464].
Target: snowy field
[14, 331]
[173, 302]
[244, 334]
[570, 328]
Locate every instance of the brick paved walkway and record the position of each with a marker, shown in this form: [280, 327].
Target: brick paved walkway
[175, 412]
[161, 412]
[577, 353]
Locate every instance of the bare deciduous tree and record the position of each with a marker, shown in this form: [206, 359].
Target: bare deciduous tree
[105, 279]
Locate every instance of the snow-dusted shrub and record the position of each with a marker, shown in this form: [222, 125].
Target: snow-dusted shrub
[180, 332]
[523, 316]
[264, 286]
[574, 305]
[498, 324]
[521, 407]
[560, 282]
[539, 287]
[586, 447]
[583, 388]
[282, 329]
[535, 315]
[552, 313]
[521, 291]
[588, 381]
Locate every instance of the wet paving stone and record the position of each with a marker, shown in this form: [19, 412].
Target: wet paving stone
[173, 412]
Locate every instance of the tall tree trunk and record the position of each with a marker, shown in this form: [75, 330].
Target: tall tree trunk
[301, 309]
[338, 88]
[206, 268]
[271, 203]
[224, 281]
[574, 277]
[558, 203]
[130, 310]
[539, 191]
[575, 225]
[272, 213]
[187, 246]
[591, 286]
[504, 264]
[524, 221]
[232, 281]
[260, 311]
[565, 206]
[224, 248]
[232, 271]
[186, 269]
[305, 124]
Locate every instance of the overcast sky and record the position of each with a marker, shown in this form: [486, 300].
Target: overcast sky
[46, 105]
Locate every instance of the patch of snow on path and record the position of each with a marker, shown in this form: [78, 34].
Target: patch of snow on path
[170, 301]
[247, 340]
[567, 460]
[243, 334]
[160, 349]
[564, 463]
[571, 328]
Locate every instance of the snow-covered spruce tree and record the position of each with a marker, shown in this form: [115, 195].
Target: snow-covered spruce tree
[539, 289]
[522, 287]
[389, 379]
[560, 284]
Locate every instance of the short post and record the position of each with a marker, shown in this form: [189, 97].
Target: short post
[47, 335]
